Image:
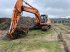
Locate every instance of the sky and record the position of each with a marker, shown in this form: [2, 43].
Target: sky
[52, 8]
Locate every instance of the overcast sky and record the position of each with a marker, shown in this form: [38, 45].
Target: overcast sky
[52, 8]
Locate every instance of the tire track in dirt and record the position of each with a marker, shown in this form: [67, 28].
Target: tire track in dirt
[62, 33]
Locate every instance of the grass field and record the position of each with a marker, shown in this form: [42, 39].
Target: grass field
[35, 41]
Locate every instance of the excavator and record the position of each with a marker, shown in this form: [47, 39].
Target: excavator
[41, 20]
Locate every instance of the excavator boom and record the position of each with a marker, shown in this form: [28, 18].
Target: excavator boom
[18, 9]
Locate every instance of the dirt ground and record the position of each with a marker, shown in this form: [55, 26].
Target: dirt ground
[66, 38]
[65, 32]
[35, 41]
[3, 33]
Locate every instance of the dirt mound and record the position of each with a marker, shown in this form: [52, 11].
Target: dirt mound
[5, 22]
[22, 27]
[5, 25]
[27, 21]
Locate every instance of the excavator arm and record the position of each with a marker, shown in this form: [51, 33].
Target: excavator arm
[18, 9]
[34, 11]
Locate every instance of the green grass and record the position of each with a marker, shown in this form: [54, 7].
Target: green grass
[29, 43]
[39, 32]
[52, 46]
[68, 27]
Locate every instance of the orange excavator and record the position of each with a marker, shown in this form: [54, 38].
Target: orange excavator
[41, 20]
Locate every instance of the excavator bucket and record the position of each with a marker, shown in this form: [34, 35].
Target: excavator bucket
[20, 31]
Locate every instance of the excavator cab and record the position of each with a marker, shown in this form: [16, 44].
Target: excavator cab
[44, 18]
